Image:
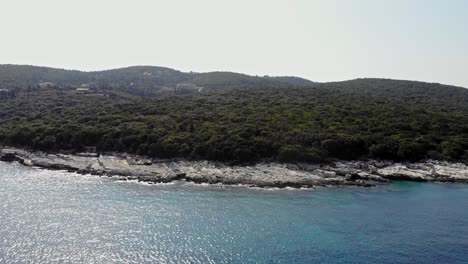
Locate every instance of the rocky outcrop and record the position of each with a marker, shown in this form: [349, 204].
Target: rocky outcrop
[8, 157]
[344, 173]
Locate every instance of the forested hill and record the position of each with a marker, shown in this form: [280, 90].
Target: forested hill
[244, 122]
[432, 96]
[137, 80]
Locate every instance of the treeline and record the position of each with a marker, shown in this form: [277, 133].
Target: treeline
[144, 81]
[379, 119]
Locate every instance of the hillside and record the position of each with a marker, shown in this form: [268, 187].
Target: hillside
[236, 80]
[431, 96]
[137, 80]
[358, 119]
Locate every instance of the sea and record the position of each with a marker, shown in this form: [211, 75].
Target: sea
[60, 217]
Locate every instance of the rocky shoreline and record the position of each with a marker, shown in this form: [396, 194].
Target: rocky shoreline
[343, 173]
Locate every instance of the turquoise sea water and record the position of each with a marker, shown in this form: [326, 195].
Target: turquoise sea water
[58, 217]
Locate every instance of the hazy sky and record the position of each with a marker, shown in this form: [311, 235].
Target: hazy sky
[321, 40]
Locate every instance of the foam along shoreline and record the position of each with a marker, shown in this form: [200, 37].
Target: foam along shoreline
[343, 173]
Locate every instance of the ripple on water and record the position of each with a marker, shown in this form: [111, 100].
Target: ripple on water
[58, 217]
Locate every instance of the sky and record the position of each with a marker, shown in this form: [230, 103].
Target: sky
[322, 40]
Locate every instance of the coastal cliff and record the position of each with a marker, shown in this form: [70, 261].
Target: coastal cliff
[342, 173]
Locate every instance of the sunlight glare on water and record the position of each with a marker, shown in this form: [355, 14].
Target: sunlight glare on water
[59, 217]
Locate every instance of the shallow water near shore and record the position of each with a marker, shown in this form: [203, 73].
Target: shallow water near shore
[59, 217]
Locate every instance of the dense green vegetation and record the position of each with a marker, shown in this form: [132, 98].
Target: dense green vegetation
[365, 118]
[138, 80]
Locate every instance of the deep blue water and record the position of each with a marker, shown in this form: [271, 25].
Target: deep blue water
[58, 217]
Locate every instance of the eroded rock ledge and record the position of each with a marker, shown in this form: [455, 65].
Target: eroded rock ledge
[344, 173]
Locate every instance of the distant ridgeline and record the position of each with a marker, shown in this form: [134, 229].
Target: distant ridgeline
[139, 80]
[224, 116]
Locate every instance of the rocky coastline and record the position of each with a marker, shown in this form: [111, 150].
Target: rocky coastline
[343, 173]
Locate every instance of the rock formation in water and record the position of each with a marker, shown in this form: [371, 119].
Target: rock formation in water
[343, 173]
